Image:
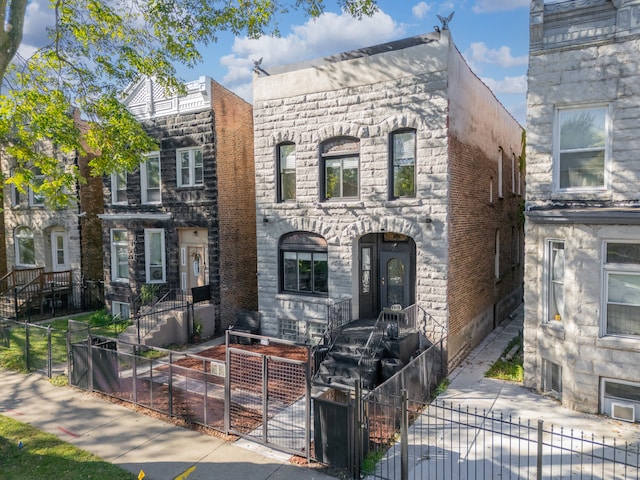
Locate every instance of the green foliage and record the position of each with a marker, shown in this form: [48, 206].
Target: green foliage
[148, 292]
[509, 369]
[44, 456]
[197, 328]
[96, 49]
[59, 381]
[442, 387]
[371, 460]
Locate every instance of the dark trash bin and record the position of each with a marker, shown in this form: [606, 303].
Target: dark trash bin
[389, 367]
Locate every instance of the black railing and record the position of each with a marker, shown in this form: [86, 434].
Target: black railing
[147, 316]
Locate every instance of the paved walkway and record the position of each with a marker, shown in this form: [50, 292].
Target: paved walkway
[135, 441]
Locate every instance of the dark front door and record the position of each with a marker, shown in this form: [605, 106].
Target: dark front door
[395, 272]
[386, 263]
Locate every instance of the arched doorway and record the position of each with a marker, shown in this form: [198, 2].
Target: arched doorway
[387, 272]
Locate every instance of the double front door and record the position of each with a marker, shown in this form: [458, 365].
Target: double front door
[386, 272]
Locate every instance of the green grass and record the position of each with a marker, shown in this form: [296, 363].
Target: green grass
[510, 370]
[45, 456]
[13, 358]
[371, 460]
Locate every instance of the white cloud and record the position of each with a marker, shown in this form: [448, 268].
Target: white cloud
[421, 9]
[485, 6]
[38, 17]
[327, 34]
[479, 53]
[508, 85]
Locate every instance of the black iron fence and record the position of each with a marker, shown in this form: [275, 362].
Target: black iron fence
[147, 315]
[441, 440]
[40, 300]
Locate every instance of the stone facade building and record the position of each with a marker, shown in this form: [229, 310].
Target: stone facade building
[582, 272]
[386, 176]
[56, 240]
[186, 217]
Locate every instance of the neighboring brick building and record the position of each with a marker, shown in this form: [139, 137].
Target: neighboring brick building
[186, 217]
[582, 281]
[386, 175]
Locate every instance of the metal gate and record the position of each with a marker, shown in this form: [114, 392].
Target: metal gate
[268, 399]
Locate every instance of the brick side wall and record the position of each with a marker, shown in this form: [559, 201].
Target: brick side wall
[92, 204]
[478, 301]
[236, 203]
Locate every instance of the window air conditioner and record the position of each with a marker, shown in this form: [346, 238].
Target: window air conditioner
[156, 275]
[623, 411]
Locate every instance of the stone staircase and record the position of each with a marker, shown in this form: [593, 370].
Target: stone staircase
[341, 369]
[156, 337]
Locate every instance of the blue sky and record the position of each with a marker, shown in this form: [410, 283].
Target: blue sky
[492, 35]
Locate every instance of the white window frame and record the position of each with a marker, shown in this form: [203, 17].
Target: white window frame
[556, 147]
[151, 277]
[144, 179]
[605, 401]
[548, 377]
[191, 181]
[114, 255]
[615, 269]
[117, 186]
[16, 237]
[117, 309]
[548, 278]
[36, 199]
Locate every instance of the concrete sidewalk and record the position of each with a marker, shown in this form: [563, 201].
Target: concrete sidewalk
[135, 441]
[469, 388]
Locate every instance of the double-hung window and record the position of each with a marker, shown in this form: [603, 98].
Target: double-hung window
[286, 172]
[304, 264]
[341, 164]
[154, 255]
[119, 187]
[555, 280]
[621, 311]
[36, 198]
[403, 163]
[25, 247]
[190, 168]
[150, 178]
[119, 256]
[580, 148]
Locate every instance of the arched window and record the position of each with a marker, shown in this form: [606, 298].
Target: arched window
[304, 266]
[402, 153]
[341, 167]
[25, 247]
[286, 171]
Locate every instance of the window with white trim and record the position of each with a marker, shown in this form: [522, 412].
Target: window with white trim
[190, 167]
[552, 378]
[286, 171]
[119, 256]
[620, 399]
[150, 178]
[25, 247]
[36, 199]
[581, 138]
[154, 255]
[304, 264]
[341, 167]
[120, 310]
[500, 174]
[554, 288]
[119, 187]
[403, 163]
[621, 312]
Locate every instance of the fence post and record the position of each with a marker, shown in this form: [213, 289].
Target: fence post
[404, 436]
[227, 385]
[27, 359]
[358, 432]
[265, 399]
[49, 353]
[539, 460]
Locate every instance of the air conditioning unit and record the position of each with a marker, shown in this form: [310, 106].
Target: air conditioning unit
[623, 411]
[218, 369]
[156, 275]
